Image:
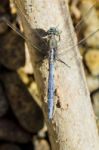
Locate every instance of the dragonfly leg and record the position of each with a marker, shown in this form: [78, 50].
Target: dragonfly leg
[58, 59]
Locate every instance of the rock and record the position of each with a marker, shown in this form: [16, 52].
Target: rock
[9, 131]
[33, 89]
[95, 98]
[97, 121]
[3, 102]
[42, 132]
[91, 25]
[92, 61]
[23, 76]
[93, 83]
[24, 106]
[12, 53]
[41, 144]
[9, 147]
[3, 27]
[28, 68]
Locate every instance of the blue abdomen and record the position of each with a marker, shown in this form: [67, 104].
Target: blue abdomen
[50, 90]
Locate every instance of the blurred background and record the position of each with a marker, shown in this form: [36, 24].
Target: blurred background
[22, 125]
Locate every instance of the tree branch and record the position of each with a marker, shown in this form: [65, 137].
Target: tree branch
[73, 126]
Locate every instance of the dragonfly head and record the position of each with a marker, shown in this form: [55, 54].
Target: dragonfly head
[53, 31]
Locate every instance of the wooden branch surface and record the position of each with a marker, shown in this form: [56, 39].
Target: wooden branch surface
[73, 126]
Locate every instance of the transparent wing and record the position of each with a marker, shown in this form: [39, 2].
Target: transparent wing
[18, 32]
[20, 13]
[80, 23]
[79, 43]
[37, 33]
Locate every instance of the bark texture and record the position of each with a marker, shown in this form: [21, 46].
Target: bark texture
[73, 126]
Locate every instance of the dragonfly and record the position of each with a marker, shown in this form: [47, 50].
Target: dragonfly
[53, 36]
[52, 33]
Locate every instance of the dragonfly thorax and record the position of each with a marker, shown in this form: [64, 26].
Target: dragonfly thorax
[53, 37]
[52, 42]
